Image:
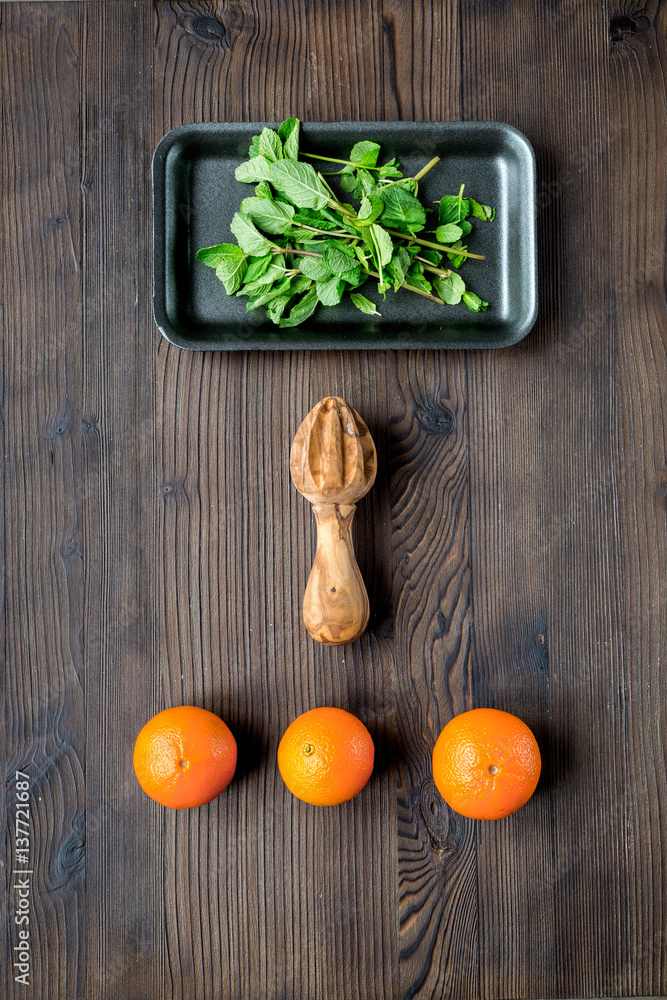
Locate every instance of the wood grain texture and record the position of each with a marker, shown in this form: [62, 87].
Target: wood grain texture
[305, 906]
[123, 888]
[45, 571]
[546, 554]
[639, 128]
[155, 551]
[429, 501]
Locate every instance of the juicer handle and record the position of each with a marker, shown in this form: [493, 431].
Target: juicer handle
[335, 606]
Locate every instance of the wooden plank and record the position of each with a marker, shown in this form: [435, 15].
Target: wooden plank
[437, 853]
[430, 541]
[639, 115]
[548, 567]
[421, 60]
[46, 564]
[124, 891]
[305, 905]
[237, 544]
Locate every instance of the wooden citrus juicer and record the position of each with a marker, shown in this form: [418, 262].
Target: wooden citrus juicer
[333, 463]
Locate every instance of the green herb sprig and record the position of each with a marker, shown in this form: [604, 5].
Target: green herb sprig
[300, 244]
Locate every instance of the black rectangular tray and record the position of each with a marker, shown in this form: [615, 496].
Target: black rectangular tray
[195, 196]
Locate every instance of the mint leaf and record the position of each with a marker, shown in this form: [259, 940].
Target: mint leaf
[250, 239]
[339, 263]
[343, 247]
[330, 290]
[308, 217]
[415, 276]
[446, 290]
[271, 216]
[366, 306]
[448, 233]
[304, 308]
[362, 256]
[314, 267]
[276, 307]
[465, 227]
[274, 273]
[270, 146]
[300, 284]
[432, 256]
[296, 234]
[348, 180]
[261, 300]
[483, 212]
[390, 169]
[289, 133]
[370, 210]
[263, 190]
[212, 256]
[344, 223]
[231, 275]
[365, 208]
[453, 209]
[398, 266]
[403, 257]
[365, 153]
[229, 262]
[300, 183]
[474, 302]
[384, 243]
[361, 280]
[316, 245]
[408, 184]
[458, 283]
[365, 183]
[456, 259]
[402, 210]
[257, 266]
[257, 169]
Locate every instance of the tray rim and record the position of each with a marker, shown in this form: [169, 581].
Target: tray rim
[158, 177]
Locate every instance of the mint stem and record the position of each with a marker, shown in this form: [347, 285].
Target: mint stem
[459, 252]
[430, 267]
[303, 253]
[326, 232]
[332, 203]
[425, 170]
[378, 255]
[411, 288]
[331, 159]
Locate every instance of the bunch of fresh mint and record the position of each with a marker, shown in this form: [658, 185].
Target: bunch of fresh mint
[300, 244]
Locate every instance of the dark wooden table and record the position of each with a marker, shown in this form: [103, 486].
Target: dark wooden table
[155, 552]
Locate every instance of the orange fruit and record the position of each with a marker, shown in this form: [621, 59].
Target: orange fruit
[326, 756]
[486, 763]
[184, 757]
